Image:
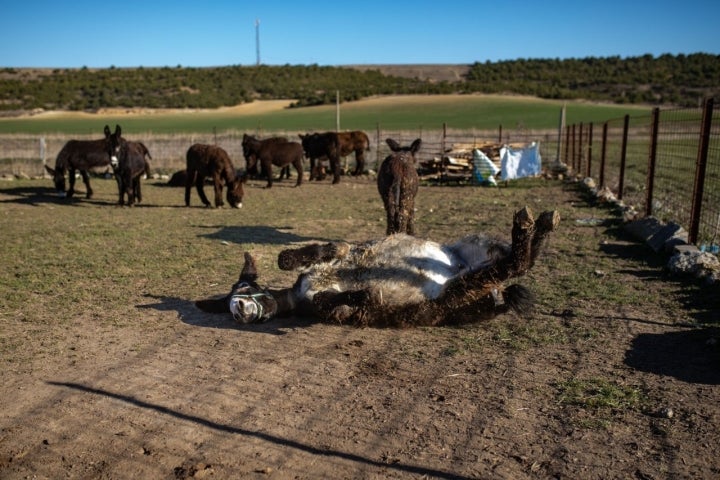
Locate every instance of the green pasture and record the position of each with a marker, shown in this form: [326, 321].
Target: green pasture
[411, 112]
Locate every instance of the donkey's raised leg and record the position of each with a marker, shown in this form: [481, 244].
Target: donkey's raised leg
[547, 222]
[528, 236]
[293, 258]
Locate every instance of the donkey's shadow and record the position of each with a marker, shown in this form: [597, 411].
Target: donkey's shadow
[36, 196]
[191, 315]
[261, 234]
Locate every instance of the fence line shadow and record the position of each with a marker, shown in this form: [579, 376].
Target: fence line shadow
[283, 442]
[690, 355]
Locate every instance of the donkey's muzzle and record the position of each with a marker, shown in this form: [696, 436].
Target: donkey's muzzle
[248, 305]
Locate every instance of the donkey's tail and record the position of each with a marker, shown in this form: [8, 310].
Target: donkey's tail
[396, 189]
[519, 298]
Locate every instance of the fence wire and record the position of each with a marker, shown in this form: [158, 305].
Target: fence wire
[709, 232]
[655, 164]
[678, 137]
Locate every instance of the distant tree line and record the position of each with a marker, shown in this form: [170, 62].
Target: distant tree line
[681, 80]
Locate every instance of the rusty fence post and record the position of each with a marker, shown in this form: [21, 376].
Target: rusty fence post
[603, 154]
[623, 157]
[700, 168]
[567, 144]
[572, 146]
[650, 181]
[589, 151]
[581, 148]
[442, 152]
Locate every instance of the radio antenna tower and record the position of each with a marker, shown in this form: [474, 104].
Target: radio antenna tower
[257, 41]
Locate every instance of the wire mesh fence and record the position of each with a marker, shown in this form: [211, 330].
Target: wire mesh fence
[666, 165]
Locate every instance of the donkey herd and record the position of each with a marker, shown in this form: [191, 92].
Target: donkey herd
[129, 162]
[397, 281]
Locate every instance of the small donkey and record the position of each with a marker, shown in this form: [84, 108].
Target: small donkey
[399, 281]
[398, 185]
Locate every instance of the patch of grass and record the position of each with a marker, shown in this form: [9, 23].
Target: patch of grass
[513, 335]
[599, 394]
[594, 423]
[525, 335]
[451, 351]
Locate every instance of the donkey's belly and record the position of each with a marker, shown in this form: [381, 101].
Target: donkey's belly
[400, 270]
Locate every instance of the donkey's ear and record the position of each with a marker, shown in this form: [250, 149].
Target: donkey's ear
[118, 130]
[50, 170]
[415, 145]
[213, 305]
[107, 131]
[394, 146]
[249, 270]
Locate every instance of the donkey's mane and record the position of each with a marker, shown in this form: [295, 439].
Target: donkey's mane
[228, 173]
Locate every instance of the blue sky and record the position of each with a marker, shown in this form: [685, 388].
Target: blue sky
[151, 33]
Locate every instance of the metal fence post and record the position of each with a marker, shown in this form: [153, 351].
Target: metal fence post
[573, 155]
[442, 152]
[589, 154]
[581, 149]
[567, 145]
[650, 181]
[623, 157]
[700, 167]
[603, 154]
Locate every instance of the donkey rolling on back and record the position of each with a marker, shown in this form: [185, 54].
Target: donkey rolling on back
[398, 281]
[80, 155]
[398, 184]
[212, 161]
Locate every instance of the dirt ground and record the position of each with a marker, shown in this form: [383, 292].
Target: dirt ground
[181, 394]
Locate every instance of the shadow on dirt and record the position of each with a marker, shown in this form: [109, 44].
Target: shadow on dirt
[44, 195]
[690, 355]
[628, 249]
[324, 453]
[37, 196]
[702, 300]
[191, 315]
[261, 234]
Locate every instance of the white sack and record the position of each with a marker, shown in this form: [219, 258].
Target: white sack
[518, 163]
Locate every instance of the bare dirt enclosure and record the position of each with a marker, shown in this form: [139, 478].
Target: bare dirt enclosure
[109, 370]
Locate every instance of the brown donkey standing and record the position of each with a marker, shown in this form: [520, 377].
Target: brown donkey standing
[212, 161]
[398, 184]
